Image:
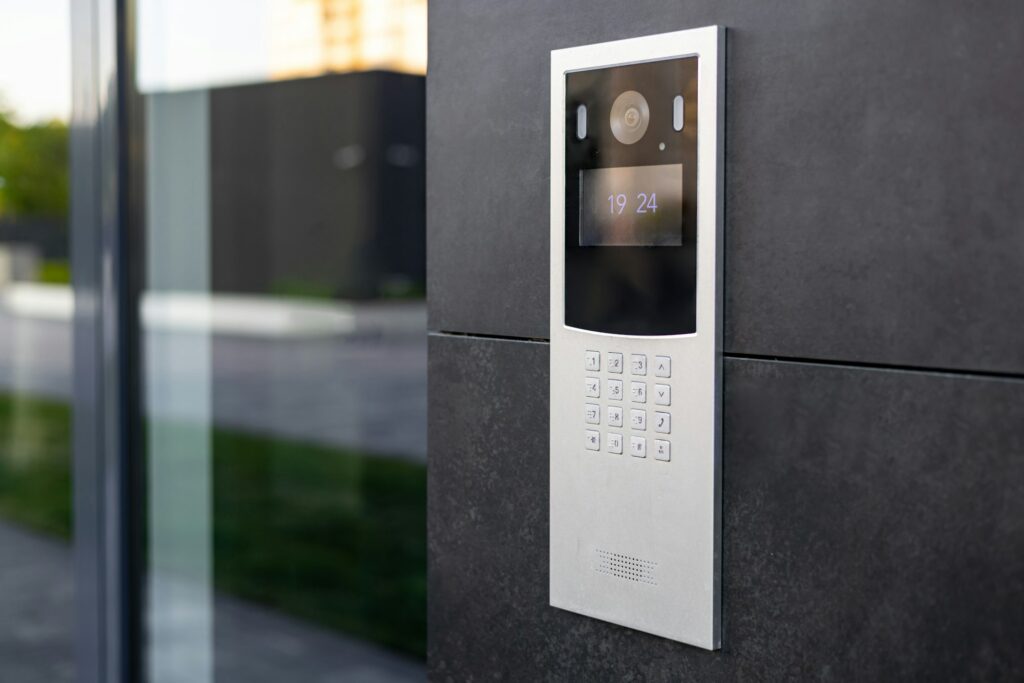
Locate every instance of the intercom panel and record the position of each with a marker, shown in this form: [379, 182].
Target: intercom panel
[636, 250]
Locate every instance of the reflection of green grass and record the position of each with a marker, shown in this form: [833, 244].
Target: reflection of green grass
[35, 463]
[335, 537]
[55, 272]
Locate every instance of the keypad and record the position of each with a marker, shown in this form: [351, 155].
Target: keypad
[618, 423]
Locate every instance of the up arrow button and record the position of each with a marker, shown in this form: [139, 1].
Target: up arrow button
[662, 366]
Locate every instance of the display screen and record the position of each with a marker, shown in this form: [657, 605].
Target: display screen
[632, 206]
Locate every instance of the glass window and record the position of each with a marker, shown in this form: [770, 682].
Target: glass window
[36, 579]
[284, 339]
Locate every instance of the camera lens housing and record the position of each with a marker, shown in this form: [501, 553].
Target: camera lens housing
[630, 117]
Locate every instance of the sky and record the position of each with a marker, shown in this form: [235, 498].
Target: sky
[35, 59]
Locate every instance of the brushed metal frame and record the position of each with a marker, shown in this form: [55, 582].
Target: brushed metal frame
[668, 511]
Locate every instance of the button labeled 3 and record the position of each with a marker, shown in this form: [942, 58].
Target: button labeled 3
[638, 364]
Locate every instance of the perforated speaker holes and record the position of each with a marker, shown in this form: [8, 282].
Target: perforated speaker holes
[625, 567]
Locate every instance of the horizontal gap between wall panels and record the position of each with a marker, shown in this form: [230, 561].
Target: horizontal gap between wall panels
[979, 374]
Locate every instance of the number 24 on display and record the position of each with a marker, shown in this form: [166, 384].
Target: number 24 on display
[645, 202]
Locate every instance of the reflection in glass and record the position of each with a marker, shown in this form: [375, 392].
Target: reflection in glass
[36, 586]
[284, 342]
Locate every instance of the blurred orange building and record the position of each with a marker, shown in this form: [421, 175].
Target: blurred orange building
[310, 37]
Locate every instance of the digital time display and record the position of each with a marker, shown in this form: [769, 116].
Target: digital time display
[632, 206]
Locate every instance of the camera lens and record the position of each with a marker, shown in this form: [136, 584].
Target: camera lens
[630, 116]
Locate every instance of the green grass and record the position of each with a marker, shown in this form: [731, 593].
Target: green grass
[332, 536]
[35, 464]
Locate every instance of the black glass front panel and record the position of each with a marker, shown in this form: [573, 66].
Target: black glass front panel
[631, 208]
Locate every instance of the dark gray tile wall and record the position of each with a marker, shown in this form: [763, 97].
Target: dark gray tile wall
[873, 528]
[873, 162]
[872, 518]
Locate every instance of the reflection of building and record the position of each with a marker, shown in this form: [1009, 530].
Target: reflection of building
[320, 186]
[310, 37]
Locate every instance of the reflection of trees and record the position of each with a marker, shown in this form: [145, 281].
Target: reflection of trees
[33, 169]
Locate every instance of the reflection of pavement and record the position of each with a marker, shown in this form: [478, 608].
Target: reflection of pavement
[36, 608]
[252, 644]
[361, 386]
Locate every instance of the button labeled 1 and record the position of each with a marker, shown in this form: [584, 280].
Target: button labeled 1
[592, 361]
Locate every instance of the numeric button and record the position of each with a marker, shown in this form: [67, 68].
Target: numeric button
[638, 392]
[638, 364]
[615, 443]
[592, 414]
[592, 387]
[615, 389]
[615, 363]
[614, 416]
[638, 420]
[592, 361]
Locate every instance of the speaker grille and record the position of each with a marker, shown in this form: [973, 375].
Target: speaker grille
[625, 567]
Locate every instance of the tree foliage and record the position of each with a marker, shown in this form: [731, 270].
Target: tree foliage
[33, 169]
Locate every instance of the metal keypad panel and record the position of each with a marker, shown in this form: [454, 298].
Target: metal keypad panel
[638, 423]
